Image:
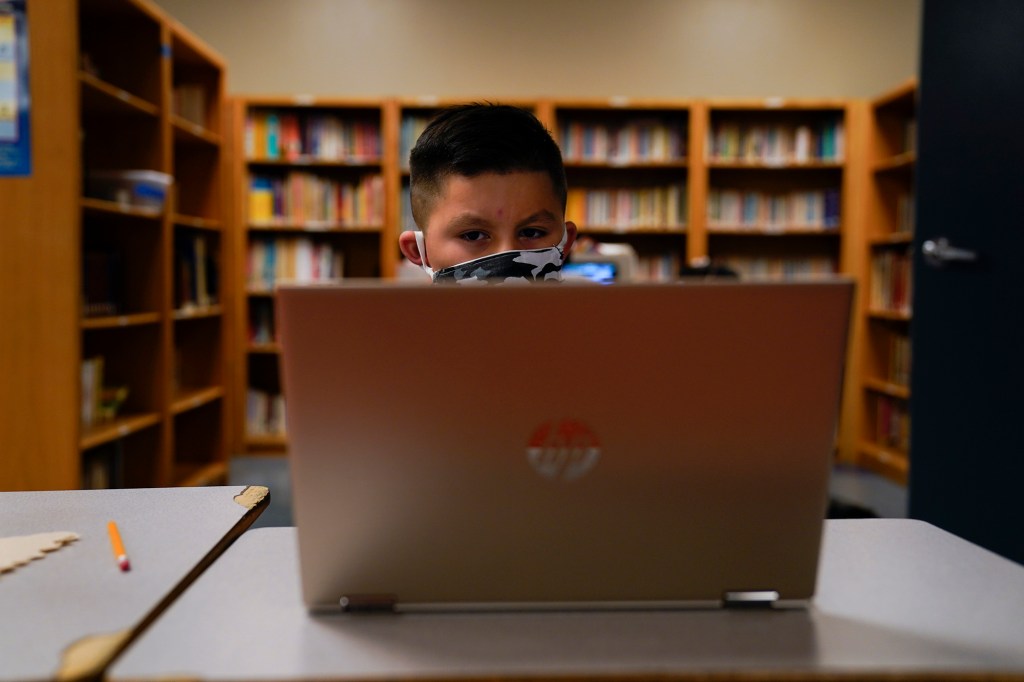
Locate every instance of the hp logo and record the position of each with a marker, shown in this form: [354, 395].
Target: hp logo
[563, 450]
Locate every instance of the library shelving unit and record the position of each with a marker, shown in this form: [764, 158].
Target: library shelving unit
[776, 180]
[628, 166]
[153, 328]
[886, 305]
[122, 267]
[309, 175]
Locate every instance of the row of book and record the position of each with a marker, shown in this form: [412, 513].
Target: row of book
[899, 359]
[660, 208]
[99, 403]
[196, 273]
[310, 135]
[636, 141]
[302, 198]
[103, 466]
[411, 128]
[891, 282]
[768, 267]
[102, 282]
[757, 210]
[905, 213]
[777, 144]
[189, 102]
[293, 259]
[261, 322]
[658, 267]
[264, 413]
[892, 423]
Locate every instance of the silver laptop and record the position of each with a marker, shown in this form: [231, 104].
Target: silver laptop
[636, 445]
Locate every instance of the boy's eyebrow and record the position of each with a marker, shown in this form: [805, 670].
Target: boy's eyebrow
[539, 216]
[465, 220]
[472, 220]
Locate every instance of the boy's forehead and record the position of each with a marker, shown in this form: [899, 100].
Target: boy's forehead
[533, 184]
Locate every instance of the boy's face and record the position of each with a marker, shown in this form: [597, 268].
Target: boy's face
[489, 213]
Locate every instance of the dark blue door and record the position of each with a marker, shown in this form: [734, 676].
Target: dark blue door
[967, 407]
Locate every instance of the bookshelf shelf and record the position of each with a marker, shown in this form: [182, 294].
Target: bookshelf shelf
[313, 228]
[116, 429]
[191, 399]
[777, 232]
[197, 222]
[100, 96]
[100, 206]
[890, 315]
[769, 166]
[197, 313]
[900, 163]
[887, 388]
[893, 464]
[199, 475]
[189, 132]
[120, 321]
[890, 240]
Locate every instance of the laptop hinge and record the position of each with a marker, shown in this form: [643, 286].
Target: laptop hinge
[368, 603]
[750, 599]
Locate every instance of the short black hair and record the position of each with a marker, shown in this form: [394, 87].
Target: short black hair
[471, 139]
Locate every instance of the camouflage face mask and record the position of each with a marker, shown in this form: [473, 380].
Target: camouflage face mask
[519, 266]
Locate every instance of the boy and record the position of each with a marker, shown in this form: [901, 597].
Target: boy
[488, 195]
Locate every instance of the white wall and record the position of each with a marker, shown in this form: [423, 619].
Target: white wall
[564, 48]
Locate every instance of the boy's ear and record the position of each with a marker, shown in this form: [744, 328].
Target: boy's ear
[407, 245]
[571, 232]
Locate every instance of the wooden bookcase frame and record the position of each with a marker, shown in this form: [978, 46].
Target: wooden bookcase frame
[692, 241]
[885, 311]
[115, 66]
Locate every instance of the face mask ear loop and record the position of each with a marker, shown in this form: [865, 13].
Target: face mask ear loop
[565, 239]
[421, 246]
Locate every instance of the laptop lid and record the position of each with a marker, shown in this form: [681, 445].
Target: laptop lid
[551, 446]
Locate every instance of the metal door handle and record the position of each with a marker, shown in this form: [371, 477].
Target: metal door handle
[939, 253]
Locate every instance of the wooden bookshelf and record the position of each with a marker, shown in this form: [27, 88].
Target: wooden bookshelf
[886, 302]
[138, 93]
[628, 165]
[309, 177]
[775, 186]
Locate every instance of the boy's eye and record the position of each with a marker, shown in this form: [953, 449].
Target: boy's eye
[533, 233]
[473, 235]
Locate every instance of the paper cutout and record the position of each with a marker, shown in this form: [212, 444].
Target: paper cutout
[21, 549]
[251, 496]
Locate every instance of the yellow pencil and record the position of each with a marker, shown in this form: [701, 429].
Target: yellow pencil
[115, 542]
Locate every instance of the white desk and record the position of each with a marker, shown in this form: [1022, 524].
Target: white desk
[67, 615]
[896, 598]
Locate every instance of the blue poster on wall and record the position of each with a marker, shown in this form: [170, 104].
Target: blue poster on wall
[15, 136]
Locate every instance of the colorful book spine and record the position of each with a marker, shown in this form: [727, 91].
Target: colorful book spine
[777, 144]
[301, 198]
[310, 135]
[265, 413]
[624, 209]
[632, 142]
[891, 282]
[769, 267]
[758, 210]
[293, 259]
